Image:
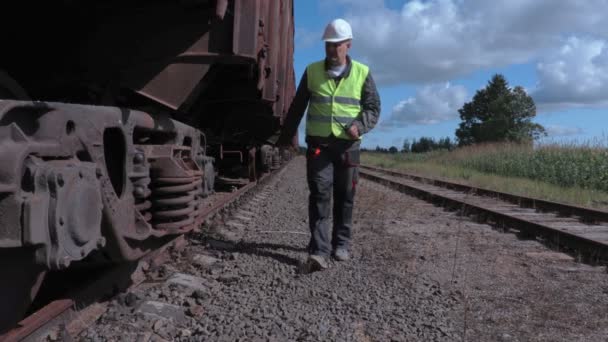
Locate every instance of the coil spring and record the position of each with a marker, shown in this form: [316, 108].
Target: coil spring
[142, 194]
[175, 201]
[276, 159]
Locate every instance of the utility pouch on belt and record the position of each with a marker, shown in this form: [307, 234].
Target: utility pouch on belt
[352, 158]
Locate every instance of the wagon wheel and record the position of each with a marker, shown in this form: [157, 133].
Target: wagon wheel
[21, 280]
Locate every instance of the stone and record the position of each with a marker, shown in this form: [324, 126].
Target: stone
[131, 299]
[228, 279]
[188, 281]
[144, 337]
[195, 311]
[204, 260]
[162, 311]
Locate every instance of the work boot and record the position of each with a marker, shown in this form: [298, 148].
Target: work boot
[341, 254]
[316, 263]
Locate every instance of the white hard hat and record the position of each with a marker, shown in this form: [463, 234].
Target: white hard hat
[337, 31]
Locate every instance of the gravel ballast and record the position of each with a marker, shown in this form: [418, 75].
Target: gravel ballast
[417, 273]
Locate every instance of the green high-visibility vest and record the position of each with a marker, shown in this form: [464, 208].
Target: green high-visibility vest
[333, 107]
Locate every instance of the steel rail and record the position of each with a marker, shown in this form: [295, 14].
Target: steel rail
[586, 214]
[572, 233]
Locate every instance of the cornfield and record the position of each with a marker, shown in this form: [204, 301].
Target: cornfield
[584, 166]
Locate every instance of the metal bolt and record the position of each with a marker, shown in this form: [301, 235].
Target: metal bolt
[139, 191]
[101, 242]
[138, 158]
[66, 261]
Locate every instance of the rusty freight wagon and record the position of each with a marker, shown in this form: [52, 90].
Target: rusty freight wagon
[116, 117]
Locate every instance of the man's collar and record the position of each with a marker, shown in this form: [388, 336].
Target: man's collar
[346, 71]
[327, 66]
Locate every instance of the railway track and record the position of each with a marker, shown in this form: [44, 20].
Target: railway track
[80, 304]
[580, 231]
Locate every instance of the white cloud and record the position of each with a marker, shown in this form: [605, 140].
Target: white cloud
[561, 131]
[438, 40]
[431, 105]
[576, 75]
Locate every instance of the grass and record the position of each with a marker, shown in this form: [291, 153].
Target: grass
[562, 173]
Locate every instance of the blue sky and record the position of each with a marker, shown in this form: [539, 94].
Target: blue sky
[430, 57]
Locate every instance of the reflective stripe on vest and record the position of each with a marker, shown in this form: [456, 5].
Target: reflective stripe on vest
[333, 107]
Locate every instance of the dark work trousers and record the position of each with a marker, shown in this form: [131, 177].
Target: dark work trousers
[331, 169]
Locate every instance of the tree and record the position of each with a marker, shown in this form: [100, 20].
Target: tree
[381, 149]
[424, 144]
[406, 146]
[393, 149]
[445, 144]
[498, 113]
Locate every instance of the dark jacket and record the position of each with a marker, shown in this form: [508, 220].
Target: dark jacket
[368, 118]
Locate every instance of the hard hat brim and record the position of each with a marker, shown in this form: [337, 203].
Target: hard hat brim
[336, 40]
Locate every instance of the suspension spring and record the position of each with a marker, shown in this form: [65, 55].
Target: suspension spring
[276, 159]
[175, 202]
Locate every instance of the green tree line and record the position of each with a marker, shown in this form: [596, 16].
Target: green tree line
[424, 144]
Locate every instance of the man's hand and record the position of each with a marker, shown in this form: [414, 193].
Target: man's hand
[353, 131]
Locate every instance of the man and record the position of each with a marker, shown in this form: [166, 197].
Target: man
[343, 104]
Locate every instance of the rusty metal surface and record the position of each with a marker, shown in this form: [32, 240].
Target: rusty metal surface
[183, 56]
[36, 320]
[132, 120]
[261, 35]
[106, 163]
[590, 241]
[121, 277]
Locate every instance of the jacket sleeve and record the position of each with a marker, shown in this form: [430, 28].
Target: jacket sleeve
[370, 106]
[295, 112]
